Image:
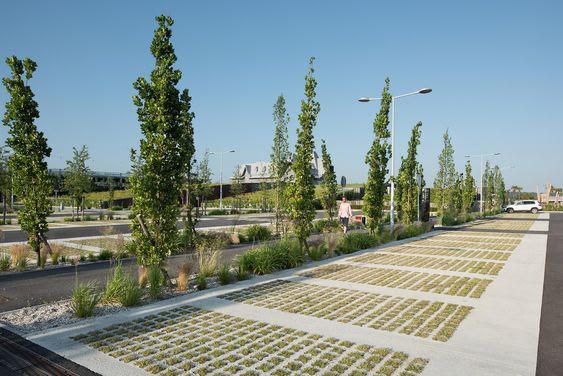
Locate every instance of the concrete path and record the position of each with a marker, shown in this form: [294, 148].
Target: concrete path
[499, 336]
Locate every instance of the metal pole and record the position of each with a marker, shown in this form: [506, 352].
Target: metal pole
[392, 208]
[482, 185]
[221, 184]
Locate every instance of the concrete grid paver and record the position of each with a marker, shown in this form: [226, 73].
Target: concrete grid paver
[494, 337]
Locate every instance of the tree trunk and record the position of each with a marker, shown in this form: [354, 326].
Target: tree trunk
[43, 240]
[4, 207]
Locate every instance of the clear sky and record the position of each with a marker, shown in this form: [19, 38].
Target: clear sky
[495, 68]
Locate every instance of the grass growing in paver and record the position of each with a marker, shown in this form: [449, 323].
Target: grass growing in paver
[463, 244]
[478, 239]
[499, 224]
[410, 280]
[372, 310]
[483, 234]
[452, 264]
[449, 252]
[199, 342]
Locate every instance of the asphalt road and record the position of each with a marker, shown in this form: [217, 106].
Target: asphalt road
[550, 347]
[18, 290]
[82, 231]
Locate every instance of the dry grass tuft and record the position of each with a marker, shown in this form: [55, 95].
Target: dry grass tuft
[184, 275]
[143, 276]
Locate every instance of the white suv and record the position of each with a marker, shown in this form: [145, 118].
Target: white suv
[524, 206]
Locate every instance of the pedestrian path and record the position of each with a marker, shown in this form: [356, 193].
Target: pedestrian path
[387, 310]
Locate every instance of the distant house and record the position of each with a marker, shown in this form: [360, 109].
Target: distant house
[261, 172]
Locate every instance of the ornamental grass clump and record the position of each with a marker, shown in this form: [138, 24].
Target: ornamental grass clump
[122, 289]
[85, 297]
[317, 253]
[355, 241]
[224, 274]
[258, 233]
[18, 254]
[271, 257]
[155, 281]
[411, 231]
[5, 262]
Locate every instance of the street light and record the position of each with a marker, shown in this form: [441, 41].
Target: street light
[481, 189]
[366, 99]
[221, 174]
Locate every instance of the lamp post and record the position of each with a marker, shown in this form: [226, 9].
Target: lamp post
[392, 177]
[221, 175]
[481, 189]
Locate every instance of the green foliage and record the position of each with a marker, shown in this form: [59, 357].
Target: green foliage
[5, 262]
[155, 281]
[280, 161]
[468, 190]
[224, 275]
[355, 241]
[122, 288]
[377, 159]
[301, 191]
[218, 212]
[258, 233]
[77, 176]
[271, 257]
[85, 297]
[54, 258]
[203, 180]
[499, 189]
[326, 225]
[411, 231]
[31, 180]
[317, 253]
[243, 266]
[488, 187]
[237, 187]
[92, 256]
[105, 254]
[329, 186]
[407, 191]
[201, 282]
[444, 184]
[448, 219]
[165, 153]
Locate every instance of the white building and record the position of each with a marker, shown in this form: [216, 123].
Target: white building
[259, 172]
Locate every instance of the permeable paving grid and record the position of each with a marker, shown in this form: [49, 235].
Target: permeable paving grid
[463, 303]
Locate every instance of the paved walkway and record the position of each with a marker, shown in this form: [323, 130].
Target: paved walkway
[453, 303]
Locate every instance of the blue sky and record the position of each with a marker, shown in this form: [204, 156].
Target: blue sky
[495, 68]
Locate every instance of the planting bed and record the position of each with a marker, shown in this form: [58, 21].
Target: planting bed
[422, 318]
[450, 252]
[111, 243]
[460, 265]
[190, 340]
[402, 279]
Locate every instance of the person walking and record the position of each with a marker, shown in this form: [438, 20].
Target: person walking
[344, 213]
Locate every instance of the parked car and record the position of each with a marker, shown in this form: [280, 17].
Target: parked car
[524, 206]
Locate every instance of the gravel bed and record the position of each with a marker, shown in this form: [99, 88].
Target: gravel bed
[51, 315]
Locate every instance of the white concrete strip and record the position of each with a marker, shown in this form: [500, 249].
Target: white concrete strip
[506, 325]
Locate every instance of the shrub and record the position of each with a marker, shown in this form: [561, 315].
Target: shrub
[85, 297]
[411, 231]
[116, 208]
[4, 262]
[258, 233]
[217, 212]
[201, 282]
[82, 258]
[326, 225]
[92, 256]
[355, 241]
[105, 254]
[88, 218]
[62, 259]
[155, 280]
[268, 258]
[183, 276]
[317, 253]
[208, 253]
[224, 274]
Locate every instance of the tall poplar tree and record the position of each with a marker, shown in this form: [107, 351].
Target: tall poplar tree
[280, 160]
[377, 159]
[77, 177]
[468, 195]
[302, 190]
[329, 186]
[32, 183]
[446, 177]
[407, 189]
[165, 152]
[489, 187]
